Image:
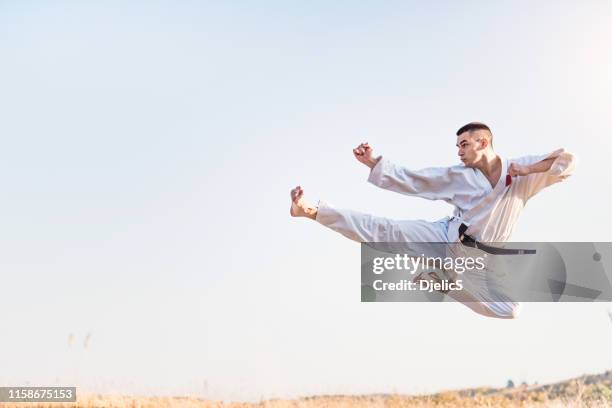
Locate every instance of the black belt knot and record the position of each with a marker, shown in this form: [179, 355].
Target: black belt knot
[472, 243]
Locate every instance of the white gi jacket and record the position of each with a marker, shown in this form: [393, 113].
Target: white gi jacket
[490, 213]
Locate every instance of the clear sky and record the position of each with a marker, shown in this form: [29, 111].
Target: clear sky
[146, 160]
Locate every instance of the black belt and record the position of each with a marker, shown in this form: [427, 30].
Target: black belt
[471, 242]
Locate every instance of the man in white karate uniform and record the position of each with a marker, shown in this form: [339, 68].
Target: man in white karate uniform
[487, 191]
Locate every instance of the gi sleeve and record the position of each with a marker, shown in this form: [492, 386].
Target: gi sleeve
[434, 183]
[562, 167]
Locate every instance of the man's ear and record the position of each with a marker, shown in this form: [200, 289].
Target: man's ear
[484, 143]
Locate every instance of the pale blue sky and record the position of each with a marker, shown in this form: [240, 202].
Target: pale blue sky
[147, 156]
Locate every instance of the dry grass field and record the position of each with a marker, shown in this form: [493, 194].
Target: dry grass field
[586, 391]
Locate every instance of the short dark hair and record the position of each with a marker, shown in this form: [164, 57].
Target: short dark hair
[470, 127]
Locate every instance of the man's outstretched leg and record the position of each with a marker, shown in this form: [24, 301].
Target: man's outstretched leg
[361, 227]
[353, 225]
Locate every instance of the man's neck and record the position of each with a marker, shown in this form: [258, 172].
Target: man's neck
[489, 164]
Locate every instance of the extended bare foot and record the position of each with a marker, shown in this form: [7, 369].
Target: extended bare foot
[299, 208]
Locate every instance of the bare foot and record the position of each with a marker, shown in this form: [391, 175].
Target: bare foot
[299, 208]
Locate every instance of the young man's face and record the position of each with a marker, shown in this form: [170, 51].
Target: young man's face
[471, 146]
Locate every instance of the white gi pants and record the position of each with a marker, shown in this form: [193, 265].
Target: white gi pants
[362, 227]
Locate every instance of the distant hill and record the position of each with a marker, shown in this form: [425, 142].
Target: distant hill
[585, 391]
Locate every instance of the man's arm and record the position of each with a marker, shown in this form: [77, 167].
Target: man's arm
[516, 169]
[537, 172]
[435, 183]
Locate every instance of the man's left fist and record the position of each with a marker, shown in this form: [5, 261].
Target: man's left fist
[518, 170]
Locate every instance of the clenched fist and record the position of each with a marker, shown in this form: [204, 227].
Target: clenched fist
[364, 154]
[518, 170]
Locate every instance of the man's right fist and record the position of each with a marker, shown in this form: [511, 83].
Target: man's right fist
[364, 154]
